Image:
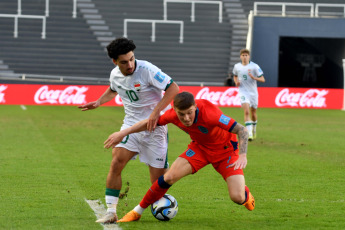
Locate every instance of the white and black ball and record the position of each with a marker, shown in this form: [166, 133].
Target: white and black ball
[165, 208]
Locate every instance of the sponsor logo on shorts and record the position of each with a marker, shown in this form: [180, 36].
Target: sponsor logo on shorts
[203, 129]
[190, 153]
[159, 159]
[224, 119]
[159, 77]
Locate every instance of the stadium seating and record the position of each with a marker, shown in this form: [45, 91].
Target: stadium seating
[202, 57]
[70, 48]
[75, 46]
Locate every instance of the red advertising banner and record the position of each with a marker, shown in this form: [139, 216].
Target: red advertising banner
[269, 97]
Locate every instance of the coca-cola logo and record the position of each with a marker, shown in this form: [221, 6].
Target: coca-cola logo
[2, 94]
[311, 98]
[70, 95]
[229, 97]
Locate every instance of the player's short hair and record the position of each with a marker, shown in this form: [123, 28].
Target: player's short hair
[244, 51]
[184, 100]
[120, 46]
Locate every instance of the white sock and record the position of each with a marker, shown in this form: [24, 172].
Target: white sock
[111, 203]
[249, 127]
[254, 126]
[139, 209]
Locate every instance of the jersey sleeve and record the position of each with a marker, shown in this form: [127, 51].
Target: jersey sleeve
[235, 71]
[218, 118]
[259, 71]
[168, 117]
[111, 78]
[157, 78]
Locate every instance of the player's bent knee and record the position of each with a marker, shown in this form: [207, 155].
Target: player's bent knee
[170, 178]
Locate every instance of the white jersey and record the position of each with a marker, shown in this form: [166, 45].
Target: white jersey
[141, 91]
[247, 86]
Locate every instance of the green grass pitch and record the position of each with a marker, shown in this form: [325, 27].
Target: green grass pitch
[52, 159]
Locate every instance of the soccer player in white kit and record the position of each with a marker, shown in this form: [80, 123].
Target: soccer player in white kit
[140, 85]
[246, 75]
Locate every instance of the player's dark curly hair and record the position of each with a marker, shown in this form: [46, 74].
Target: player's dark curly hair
[184, 100]
[120, 46]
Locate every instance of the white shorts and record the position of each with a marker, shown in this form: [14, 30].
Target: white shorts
[152, 147]
[251, 99]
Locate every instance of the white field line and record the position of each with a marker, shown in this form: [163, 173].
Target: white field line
[99, 209]
[23, 107]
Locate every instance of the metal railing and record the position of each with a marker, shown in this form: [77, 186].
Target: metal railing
[153, 22]
[283, 6]
[327, 13]
[19, 10]
[250, 30]
[16, 16]
[74, 13]
[20, 15]
[193, 2]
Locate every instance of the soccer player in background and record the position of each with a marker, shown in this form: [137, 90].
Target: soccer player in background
[246, 75]
[140, 85]
[214, 141]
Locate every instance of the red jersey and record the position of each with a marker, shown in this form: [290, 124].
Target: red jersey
[211, 128]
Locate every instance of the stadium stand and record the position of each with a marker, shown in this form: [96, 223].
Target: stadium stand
[75, 46]
[202, 57]
[70, 48]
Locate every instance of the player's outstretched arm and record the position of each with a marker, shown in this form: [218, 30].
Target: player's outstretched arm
[117, 137]
[107, 96]
[242, 134]
[169, 95]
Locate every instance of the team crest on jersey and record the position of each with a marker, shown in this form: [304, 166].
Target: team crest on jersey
[137, 86]
[190, 153]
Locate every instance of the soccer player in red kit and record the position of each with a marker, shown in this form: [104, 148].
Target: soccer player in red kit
[214, 141]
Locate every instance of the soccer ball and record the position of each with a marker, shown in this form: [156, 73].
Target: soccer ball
[165, 208]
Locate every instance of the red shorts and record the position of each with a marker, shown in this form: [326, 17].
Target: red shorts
[198, 157]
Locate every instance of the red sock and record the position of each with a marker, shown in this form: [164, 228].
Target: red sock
[153, 194]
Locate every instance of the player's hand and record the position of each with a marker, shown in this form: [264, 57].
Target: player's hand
[89, 106]
[238, 83]
[251, 76]
[152, 122]
[241, 162]
[113, 140]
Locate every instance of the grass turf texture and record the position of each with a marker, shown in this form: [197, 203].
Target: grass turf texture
[52, 158]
